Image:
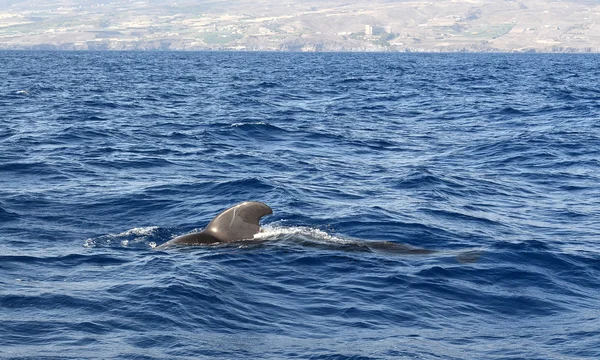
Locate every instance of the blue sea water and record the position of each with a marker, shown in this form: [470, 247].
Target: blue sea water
[104, 155]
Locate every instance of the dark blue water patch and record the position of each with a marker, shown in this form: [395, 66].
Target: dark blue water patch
[40, 331]
[462, 217]
[246, 186]
[337, 356]
[144, 162]
[422, 178]
[503, 305]
[141, 205]
[78, 133]
[28, 168]
[6, 133]
[6, 215]
[269, 85]
[71, 260]
[258, 131]
[50, 303]
[588, 92]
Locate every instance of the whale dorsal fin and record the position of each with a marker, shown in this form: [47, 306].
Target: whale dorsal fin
[239, 222]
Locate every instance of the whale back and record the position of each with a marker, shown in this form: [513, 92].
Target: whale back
[239, 222]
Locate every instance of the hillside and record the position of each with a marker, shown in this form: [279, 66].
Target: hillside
[295, 25]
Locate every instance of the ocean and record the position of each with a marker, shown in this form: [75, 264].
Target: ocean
[105, 155]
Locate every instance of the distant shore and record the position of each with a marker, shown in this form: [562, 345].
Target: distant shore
[570, 26]
[408, 51]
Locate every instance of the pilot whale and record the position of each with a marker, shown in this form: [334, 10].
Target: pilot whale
[239, 222]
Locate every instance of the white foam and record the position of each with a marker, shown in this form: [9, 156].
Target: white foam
[89, 243]
[139, 233]
[248, 123]
[142, 231]
[274, 232]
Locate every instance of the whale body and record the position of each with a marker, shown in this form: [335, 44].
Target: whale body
[239, 222]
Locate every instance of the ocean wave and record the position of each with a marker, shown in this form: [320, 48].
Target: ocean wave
[71, 260]
[423, 178]
[6, 215]
[260, 127]
[29, 168]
